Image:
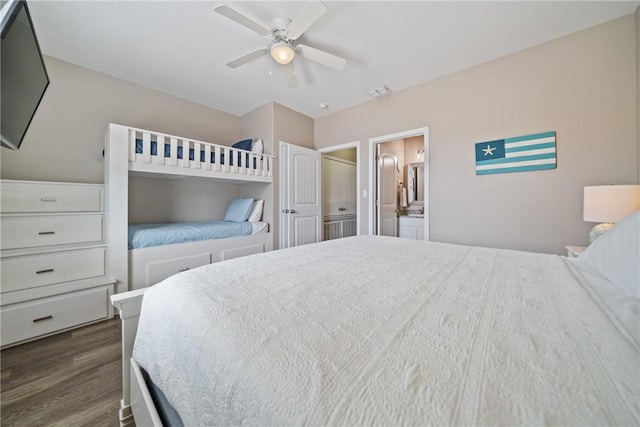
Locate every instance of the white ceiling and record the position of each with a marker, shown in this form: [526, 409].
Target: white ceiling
[181, 47]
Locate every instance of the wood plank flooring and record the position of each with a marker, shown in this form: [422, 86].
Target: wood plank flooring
[69, 379]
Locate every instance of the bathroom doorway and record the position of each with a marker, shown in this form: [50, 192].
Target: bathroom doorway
[399, 184]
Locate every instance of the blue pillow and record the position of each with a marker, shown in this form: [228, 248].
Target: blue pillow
[239, 210]
[245, 144]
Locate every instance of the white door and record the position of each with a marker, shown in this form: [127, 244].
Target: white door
[387, 194]
[300, 196]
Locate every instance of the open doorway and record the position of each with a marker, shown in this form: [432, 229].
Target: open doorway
[340, 190]
[399, 184]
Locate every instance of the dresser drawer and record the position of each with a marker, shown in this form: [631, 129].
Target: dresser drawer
[26, 196]
[31, 319]
[30, 271]
[43, 230]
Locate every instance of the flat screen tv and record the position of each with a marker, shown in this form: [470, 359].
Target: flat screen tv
[23, 76]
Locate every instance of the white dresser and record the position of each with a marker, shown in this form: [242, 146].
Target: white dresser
[52, 258]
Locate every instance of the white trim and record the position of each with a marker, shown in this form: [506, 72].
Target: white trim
[356, 145]
[424, 131]
[281, 194]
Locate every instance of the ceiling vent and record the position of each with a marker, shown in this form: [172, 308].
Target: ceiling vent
[379, 91]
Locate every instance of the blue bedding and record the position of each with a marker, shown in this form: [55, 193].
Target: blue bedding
[167, 153]
[148, 235]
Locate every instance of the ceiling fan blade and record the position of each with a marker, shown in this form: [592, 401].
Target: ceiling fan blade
[321, 56]
[243, 20]
[247, 57]
[310, 12]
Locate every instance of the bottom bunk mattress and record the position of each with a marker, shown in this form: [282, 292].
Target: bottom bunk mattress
[384, 331]
[159, 234]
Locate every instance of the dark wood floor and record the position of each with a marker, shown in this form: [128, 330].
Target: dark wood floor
[69, 379]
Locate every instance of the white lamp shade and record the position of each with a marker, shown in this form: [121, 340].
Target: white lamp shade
[610, 203]
[282, 53]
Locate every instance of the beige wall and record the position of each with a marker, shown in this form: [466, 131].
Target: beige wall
[581, 86]
[66, 136]
[410, 148]
[292, 127]
[259, 124]
[171, 199]
[637, 52]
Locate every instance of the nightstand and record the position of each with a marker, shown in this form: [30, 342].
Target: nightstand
[574, 251]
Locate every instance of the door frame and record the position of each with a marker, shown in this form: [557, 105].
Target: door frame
[356, 145]
[373, 142]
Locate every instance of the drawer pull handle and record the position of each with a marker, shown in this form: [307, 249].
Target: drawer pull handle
[180, 270]
[48, 270]
[48, 199]
[46, 233]
[42, 319]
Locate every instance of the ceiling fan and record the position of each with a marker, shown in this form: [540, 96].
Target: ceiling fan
[283, 33]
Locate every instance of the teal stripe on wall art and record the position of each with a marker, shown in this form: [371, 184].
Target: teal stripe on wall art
[515, 169]
[518, 154]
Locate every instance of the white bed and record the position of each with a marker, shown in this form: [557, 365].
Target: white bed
[375, 330]
[130, 151]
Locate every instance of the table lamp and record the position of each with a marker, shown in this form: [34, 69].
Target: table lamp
[608, 204]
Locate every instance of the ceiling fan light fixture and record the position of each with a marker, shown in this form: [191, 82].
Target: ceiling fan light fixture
[282, 52]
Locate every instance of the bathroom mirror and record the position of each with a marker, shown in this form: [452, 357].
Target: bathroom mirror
[415, 181]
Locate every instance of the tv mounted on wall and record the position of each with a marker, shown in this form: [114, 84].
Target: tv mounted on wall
[23, 76]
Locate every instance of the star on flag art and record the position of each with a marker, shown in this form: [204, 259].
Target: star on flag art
[519, 154]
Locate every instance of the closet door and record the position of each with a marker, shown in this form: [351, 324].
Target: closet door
[300, 196]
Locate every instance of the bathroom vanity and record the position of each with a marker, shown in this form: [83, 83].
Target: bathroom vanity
[411, 227]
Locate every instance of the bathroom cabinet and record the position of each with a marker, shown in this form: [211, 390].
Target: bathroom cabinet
[410, 227]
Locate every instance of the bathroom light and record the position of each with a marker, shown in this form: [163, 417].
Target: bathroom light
[608, 204]
[282, 52]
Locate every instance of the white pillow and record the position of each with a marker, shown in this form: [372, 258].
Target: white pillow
[257, 146]
[616, 254]
[256, 211]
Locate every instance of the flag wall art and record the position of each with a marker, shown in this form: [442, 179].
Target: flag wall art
[520, 154]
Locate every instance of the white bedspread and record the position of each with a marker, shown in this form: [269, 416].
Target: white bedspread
[373, 330]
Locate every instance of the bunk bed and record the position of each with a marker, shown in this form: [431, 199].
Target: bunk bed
[137, 152]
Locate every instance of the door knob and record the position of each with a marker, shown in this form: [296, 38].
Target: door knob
[293, 211]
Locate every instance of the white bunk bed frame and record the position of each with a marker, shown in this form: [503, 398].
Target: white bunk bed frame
[132, 266]
[138, 268]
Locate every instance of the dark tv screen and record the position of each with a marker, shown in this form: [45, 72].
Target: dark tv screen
[24, 78]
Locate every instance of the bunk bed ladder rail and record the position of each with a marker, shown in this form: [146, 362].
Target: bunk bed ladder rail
[186, 153]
